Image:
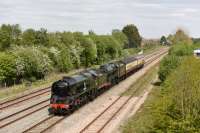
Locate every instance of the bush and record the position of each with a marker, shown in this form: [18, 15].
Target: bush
[64, 61]
[181, 50]
[168, 64]
[89, 54]
[179, 108]
[31, 62]
[7, 68]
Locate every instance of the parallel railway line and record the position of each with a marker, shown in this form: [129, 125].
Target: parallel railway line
[5, 121]
[23, 98]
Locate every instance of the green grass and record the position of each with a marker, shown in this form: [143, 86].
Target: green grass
[142, 121]
[143, 82]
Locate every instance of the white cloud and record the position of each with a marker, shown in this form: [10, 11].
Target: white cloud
[152, 5]
[178, 14]
[190, 10]
[153, 17]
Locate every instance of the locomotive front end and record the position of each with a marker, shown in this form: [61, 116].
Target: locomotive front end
[60, 100]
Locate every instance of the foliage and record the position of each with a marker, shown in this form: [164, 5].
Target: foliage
[107, 48]
[4, 40]
[168, 64]
[120, 37]
[7, 68]
[9, 35]
[178, 110]
[28, 37]
[64, 61]
[38, 52]
[41, 37]
[181, 37]
[181, 50]
[28, 65]
[89, 54]
[133, 35]
[163, 40]
[172, 61]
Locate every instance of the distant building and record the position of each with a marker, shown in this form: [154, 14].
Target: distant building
[197, 53]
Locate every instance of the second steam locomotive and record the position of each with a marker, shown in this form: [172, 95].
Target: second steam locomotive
[71, 92]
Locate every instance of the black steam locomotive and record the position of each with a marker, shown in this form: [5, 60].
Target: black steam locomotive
[71, 92]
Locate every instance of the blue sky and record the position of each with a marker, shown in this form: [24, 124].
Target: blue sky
[153, 17]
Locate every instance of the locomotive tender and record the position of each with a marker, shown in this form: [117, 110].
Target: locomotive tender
[71, 92]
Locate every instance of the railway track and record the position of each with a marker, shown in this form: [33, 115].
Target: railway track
[23, 98]
[101, 120]
[7, 120]
[45, 124]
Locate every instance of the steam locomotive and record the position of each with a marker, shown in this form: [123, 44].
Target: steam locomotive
[70, 93]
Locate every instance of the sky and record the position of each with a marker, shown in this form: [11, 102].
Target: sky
[152, 17]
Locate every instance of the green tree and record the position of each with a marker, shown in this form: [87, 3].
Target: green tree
[89, 54]
[101, 50]
[9, 35]
[163, 40]
[41, 37]
[113, 48]
[133, 35]
[120, 37]
[31, 63]
[5, 40]
[168, 64]
[29, 37]
[181, 50]
[54, 39]
[7, 68]
[178, 110]
[64, 61]
[91, 32]
[16, 34]
[181, 37]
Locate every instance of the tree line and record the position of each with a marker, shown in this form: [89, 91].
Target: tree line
[31, 54]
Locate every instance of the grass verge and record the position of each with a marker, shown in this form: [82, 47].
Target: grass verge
[143, 82]
[142, 121]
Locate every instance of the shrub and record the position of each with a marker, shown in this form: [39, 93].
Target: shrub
[7, 68]
[89, 54]
[64, 61]
[181, 50]
[168, 64]
[179, 108]
[31, 62]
